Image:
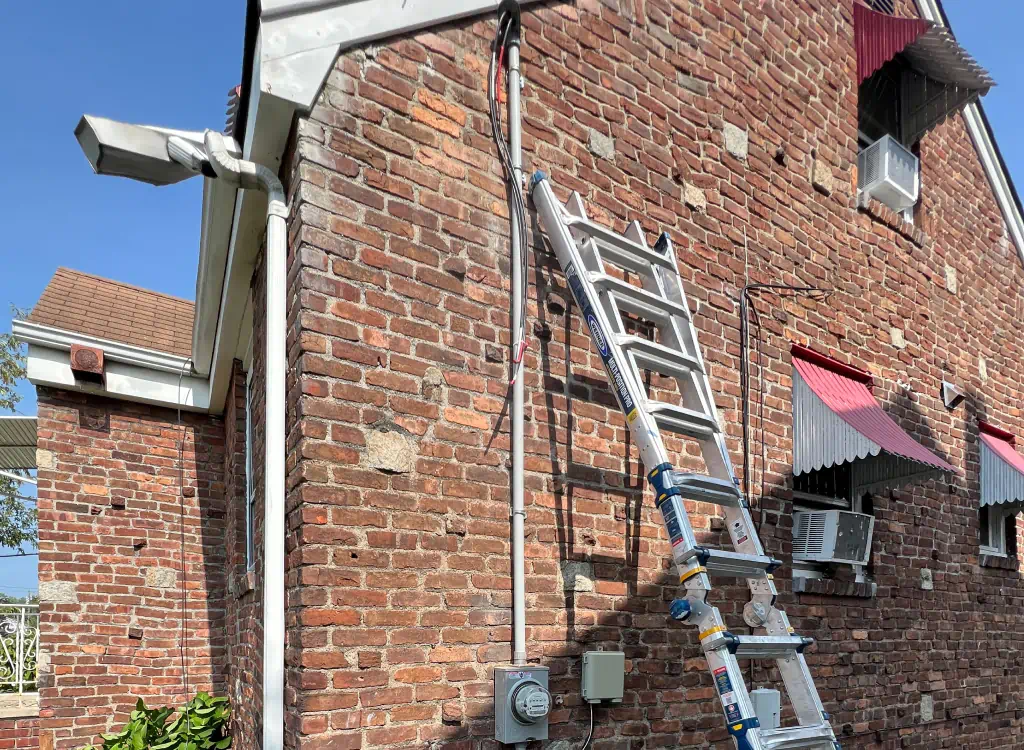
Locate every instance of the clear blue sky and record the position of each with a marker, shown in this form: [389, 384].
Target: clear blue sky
[158, 63]
[173, 64]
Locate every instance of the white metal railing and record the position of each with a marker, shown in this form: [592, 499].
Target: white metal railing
[19, 646]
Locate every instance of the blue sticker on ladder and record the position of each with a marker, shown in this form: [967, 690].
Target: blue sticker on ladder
[668, 512]
[600, 338]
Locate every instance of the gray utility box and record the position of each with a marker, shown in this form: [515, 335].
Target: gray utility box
[521, 704]
[603, 676]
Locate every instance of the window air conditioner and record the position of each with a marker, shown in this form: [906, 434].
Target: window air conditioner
[888, 172]
[832, 536]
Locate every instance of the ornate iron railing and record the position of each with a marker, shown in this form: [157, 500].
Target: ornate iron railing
[19, 647]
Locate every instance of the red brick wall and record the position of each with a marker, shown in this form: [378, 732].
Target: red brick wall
[244, 602]
[399, 253]
[110, 560]
[19, 734]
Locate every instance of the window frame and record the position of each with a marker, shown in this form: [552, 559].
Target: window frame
[997, 516]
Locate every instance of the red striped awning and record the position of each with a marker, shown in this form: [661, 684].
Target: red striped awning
[1002, 467]
[836, 420]
[879, 37]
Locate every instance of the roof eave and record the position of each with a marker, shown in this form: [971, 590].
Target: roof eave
[985, 144]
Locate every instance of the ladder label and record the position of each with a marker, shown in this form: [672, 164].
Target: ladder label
[668, 513]
[601, 341]
[729, 700]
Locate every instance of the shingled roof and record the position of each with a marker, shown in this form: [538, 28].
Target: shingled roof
[92, 305]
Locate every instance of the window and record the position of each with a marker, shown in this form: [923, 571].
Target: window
[883, 6]
[250, 484]
[998, 530]
[830, 487]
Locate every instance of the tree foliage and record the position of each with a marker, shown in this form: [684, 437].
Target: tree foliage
[17, 517]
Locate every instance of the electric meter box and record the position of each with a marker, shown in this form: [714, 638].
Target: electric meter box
[521, 704]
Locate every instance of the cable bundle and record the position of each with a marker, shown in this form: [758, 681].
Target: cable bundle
[508, 33]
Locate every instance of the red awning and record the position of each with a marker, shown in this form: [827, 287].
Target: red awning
[879, 37]
[836, 420]
[1002, 467]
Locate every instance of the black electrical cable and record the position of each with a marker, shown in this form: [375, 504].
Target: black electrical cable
[20, 554]
[508, 32]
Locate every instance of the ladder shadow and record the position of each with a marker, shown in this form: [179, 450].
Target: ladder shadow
[562, 389]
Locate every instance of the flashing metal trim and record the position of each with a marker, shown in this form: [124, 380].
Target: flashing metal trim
[58, 338]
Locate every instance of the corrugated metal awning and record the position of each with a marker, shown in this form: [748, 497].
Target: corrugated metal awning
[17, 443]
[837, 420]
[879, 37]
[938, 79]
[1002, 467]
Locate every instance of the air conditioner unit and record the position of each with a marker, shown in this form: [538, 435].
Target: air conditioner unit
[889, 173]
[832, 536]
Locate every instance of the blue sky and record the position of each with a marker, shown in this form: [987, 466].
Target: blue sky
[173, 64]
[159, 63]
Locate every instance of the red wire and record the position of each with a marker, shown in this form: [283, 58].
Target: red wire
[501, 57]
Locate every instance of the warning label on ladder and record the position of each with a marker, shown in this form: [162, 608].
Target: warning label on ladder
[729, 700]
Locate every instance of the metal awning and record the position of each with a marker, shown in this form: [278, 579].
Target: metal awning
[1002, 467]
[836, 420]
[17, 443]
[940, 77]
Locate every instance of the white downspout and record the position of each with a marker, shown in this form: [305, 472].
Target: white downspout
[252, 176]
[515, 138]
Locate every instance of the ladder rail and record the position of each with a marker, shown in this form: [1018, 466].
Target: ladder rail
[582, 248]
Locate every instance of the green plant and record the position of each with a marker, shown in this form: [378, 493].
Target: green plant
[200, 725]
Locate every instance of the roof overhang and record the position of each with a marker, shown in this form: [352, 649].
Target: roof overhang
[836, 420]
[1002, 467]
[294, 49]
[984, 143]
[17, 443]
[131, 373]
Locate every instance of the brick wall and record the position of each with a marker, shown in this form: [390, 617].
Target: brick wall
[244, 602]
[399, 264]
[20, 733]
[110, 560]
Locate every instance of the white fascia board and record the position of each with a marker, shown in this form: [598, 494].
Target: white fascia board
[219, 198]
[113, 351]
[51, 367]
[302, 38]
[983, 144]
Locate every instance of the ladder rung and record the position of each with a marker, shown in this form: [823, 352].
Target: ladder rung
[798, 738]
[621, 251]
[635, 300]
[662, 360]
[705, 489]
[681, 420]
[760, 646]
[728, 564]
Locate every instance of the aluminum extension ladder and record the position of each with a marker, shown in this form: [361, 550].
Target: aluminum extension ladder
[585, 250]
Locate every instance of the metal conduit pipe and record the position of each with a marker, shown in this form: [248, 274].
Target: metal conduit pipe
[518, 506]
[252, 176]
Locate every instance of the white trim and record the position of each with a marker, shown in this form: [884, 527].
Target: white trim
[16, 478]
[300, 39]
[51, 367]
[997, 177]
[57, 338]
